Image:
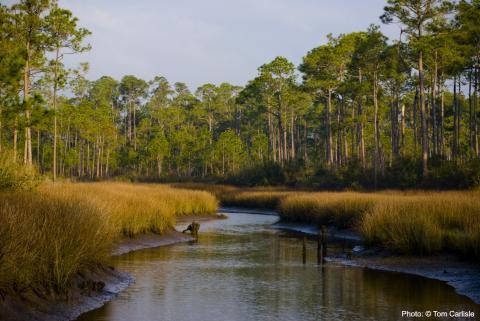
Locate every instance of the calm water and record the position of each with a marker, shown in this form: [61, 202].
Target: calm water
[241, 269]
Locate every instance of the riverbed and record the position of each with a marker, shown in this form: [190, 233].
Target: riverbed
[241, 268]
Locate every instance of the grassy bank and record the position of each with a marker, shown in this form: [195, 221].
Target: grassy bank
[49, 235]
[253, 197]
[409, 223]
[134, 209]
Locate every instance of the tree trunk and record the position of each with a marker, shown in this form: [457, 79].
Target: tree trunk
[107, 164]
[455, 117]
[475, 120]
[1, 129]
[442, 125]
[360, 126]
[423, 116]
[329, 140]
[292, 136]
[38, 149]
[434, 106]
[415, 127]
[27, 157]
[159, 166]
[376, 133]
[134, 128]
[403, 126]
[470, 116]
[305, 147]
[55, 75]
[459, 116]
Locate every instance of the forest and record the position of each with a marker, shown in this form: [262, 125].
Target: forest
[360, 111]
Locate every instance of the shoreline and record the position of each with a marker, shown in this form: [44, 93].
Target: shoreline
[464, 277]
[93, 289]
[90, 291]
[150, 240]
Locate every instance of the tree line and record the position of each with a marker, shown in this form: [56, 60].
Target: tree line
[359, 111]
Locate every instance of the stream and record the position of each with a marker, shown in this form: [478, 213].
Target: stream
[243, 269]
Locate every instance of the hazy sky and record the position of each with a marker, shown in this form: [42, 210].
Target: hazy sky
[211, 40]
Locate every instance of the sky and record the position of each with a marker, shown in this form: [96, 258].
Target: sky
[210, 41]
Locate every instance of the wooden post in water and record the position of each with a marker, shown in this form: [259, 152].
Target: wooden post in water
[195, 228]
[322, 245]
[324, 240]
[319, 248]
[304, 250]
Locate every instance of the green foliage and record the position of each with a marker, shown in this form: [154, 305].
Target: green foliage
[14, 177]
[355, 117]
[263, 174]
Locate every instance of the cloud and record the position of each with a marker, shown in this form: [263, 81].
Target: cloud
[211, 40]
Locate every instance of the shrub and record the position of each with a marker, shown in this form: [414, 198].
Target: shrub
[264, 174]
[14, 176]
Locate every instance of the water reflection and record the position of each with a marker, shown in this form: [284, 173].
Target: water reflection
[240, 269]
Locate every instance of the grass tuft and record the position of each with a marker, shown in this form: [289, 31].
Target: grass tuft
[419, 223]
[49, 235]
[45, 240]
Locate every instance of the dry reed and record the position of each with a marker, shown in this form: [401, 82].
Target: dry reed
[49, 235]
[420, 223]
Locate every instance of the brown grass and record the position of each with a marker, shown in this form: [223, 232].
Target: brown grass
[253, 197]
[49, 235]
[140, 208]
[410, 222]
[426, 224]
[406, 222]
[46, 239]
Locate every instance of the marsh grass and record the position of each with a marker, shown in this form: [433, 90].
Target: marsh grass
[420, 223]
[134, 209]
[426, 224]
[253, 197]
[409, 222]
[344, 210]
[49, 235]
[269, 199]
[45, 240]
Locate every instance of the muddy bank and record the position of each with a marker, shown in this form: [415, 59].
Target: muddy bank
[151, 240]
[90, 291]
[332, 232]
[464, 277]
[167, 238]
[244, 210]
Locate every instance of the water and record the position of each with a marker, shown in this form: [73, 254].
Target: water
[241, 269]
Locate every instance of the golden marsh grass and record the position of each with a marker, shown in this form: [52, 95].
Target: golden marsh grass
[406, 222]
[49, 235]
[253, 197]
[410, 222]
[139, 208]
